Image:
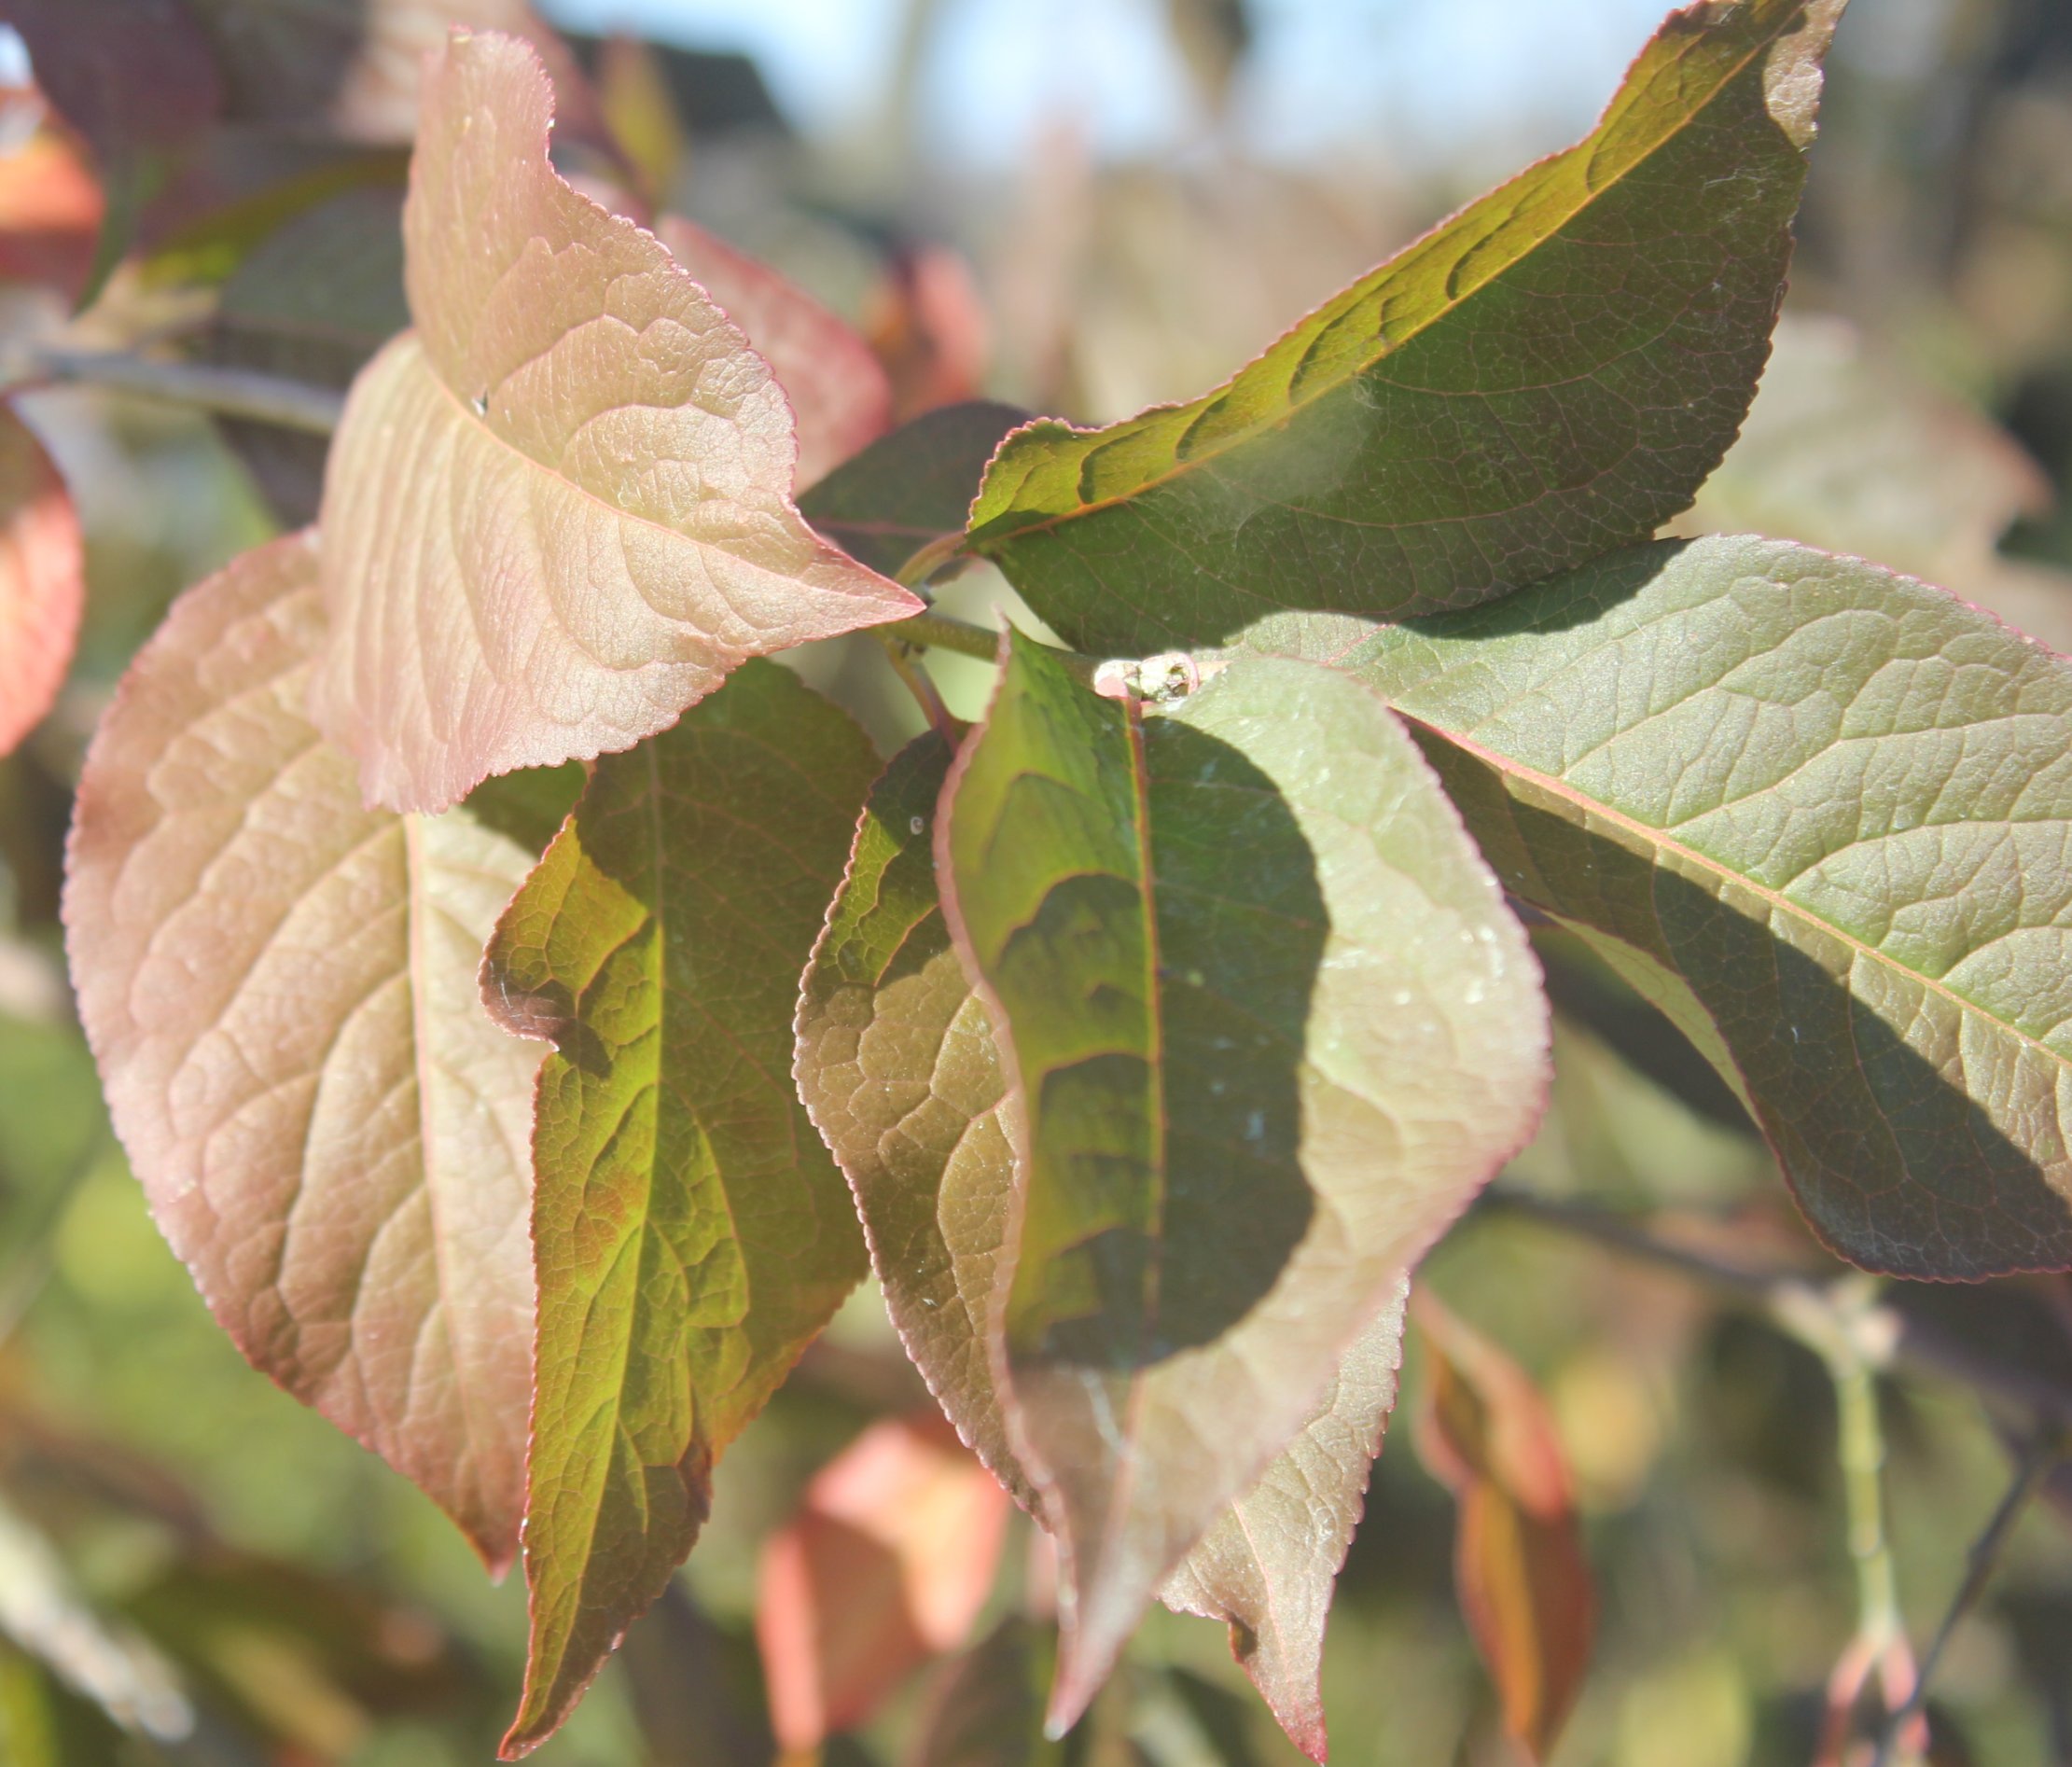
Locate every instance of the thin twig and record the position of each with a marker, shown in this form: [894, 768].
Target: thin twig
[2033, 1465]
[265, 399]
[1879, 1645]
[918, 682]
[1892, 1335]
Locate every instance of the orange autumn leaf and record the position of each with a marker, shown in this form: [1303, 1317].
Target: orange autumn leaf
[886, 1564]
[42, 581]
[1525, 1585]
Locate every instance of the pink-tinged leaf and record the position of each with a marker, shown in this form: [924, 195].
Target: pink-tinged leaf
[838, 391]
[51, 212]
[1524, 1582]
[1270, 1027]
[897, 1065]
[42, 581]
[1269, 1566]
[280, 989]
[560, 510]
[886, 1564]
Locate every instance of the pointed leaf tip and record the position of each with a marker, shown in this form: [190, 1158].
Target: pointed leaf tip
[1551, 372]
[559, 512]
[1238, 953]
[691, 1233]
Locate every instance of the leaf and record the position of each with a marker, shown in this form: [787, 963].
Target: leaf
[885, 1564]
[897, 1065]
[692, 1233]
[1845, 450]
[1268, 1567]
[138, 79]
[355, 68]
[50, 213]
[280, 990]
[1820, 815]
[1550, 373]
[1252, 1095]
[912, 489]
[1524, 1584]
[985, 1707]
[840, 396]
[696, 1688]
[313, 301]
[559, 512]
[42, 581]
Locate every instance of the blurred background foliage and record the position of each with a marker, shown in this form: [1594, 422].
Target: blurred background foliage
[1081, 213]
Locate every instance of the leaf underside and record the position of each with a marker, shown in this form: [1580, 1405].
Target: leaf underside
[897, 1065]
[693, 1234]
[1248, 1099]
[1822, 816]
[912, 489]
[280, 990]
[1551, 373]
[560, 510]
[840, 400]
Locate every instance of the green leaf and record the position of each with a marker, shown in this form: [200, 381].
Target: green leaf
[899, 1068]
[691, 1234]
[280, 988]
[1271, 1026]
[911, 488]
[1550, 373]
[1845, 451]
[1821, 815]
[985, 1707]
[558, 511]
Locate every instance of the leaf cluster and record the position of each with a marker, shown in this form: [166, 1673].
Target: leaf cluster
[531, 1009]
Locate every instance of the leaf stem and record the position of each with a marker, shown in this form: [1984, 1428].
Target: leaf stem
[939, 632]
[1880, 1642]
[918, 682]
[265, 399]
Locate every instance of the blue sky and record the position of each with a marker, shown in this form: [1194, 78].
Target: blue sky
[1401, 76]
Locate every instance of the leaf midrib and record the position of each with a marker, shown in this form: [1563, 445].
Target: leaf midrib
[1361, 289]
[1506, 767]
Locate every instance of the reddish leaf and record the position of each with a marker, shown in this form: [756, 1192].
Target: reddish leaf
[280, 989]
[560, 511]
[1524, 1584]
[42, 584]
[50, 211]
[929, 325]
[839, 391]
[127, 73]
[886, 1564]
